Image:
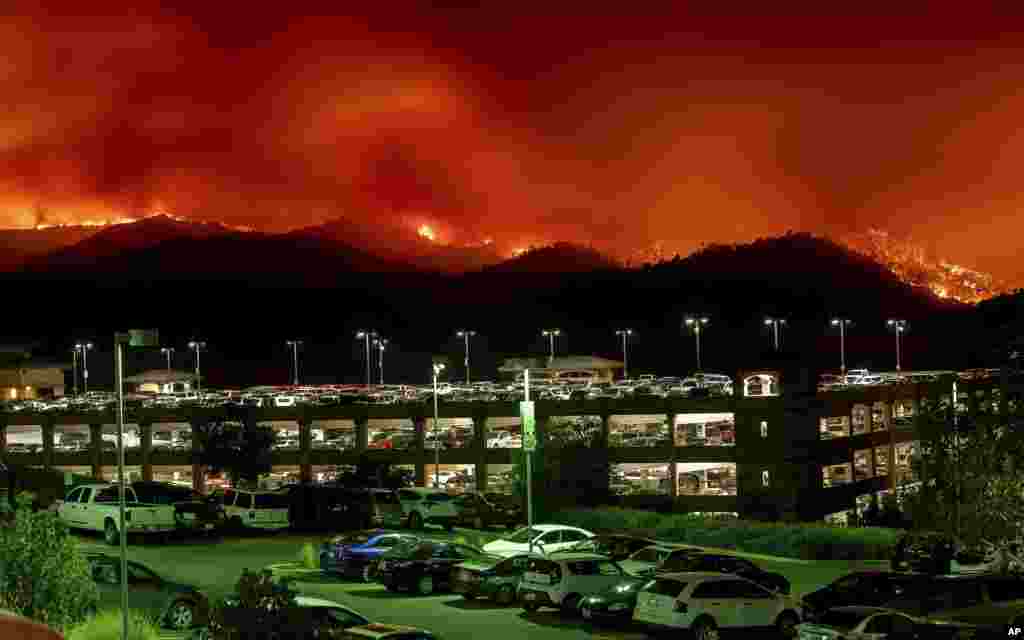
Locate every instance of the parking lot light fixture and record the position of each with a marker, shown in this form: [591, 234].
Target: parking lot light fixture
[295, 344]
[197, 346]
[380, 343]
[842, 323]
[438, 368]
[84, 348]
[466, 334]
[367, 337]
[551, 334]
[775, 324]
[898, 327]
[625, 334]
[167, 351]
[696, 324]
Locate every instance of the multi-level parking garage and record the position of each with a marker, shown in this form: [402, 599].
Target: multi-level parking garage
[805, 456]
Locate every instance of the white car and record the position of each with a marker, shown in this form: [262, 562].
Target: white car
[643, 562]
[254, 509]
[505, 440]
[704, 602]
[859, 623]
[563, 581]
[546, 538]
[422, 506]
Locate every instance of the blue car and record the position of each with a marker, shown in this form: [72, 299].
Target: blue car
[356, 554]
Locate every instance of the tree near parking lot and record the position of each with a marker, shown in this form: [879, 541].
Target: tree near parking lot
[240, 449]
[43, 574]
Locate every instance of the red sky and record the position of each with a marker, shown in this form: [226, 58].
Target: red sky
[679, 127]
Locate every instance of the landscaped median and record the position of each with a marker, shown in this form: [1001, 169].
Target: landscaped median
[804, 541]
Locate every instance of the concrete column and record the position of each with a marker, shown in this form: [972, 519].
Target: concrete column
[419, 425]
[3, 438]
[96, 450]
[887, 423]
[198, 470]
[671, 417]
[480, 450]
[199, 477]
[146, 448]
[362, 434]
[602, 436]
[47, 429]
[305, 447]
[673, 480]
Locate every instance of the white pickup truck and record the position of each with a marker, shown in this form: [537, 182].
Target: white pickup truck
[94, 507]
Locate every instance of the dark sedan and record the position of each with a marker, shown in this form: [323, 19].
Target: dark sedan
[490, 578]
[615, 603]
[424, 568]
[617, 547]
[475, 510]
[868, 588]
[356, 554]
[173, 605]
[725, 563]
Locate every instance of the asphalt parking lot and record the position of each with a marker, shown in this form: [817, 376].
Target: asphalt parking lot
[215, 565]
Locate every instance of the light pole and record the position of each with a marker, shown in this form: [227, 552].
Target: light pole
[197, 347]
[295, 344]
[438, 368]
[367, 336]
[697, 324]
[625, 334]
[466, 334]
[84, 348]
[550, 334]
[380, 343]
[775, 323]
[74, 368]
[898, 327]
[842, 323]
[167, 351]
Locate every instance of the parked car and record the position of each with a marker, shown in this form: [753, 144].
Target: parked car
[644, 562]
[379, 631]
[244, 509]
[545, 538]
[725, 563]
[95, 507]
[425, 567]
[703, 603]
[867, 588]
[490, 577]
[357, 554]
[938, 554]
[192, 510]
[422, 506]
[614, 603]
[989, 603]
[173, 605]
[475, 510]
[863, 623]
[563, 581]
[616, 546]
[311, 616]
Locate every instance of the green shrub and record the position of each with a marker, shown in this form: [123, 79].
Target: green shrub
[259, 606]
[808, 541]
[106, 625]
[310, 558]
[43, 574]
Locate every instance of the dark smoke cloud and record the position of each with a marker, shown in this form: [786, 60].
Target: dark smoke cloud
[523, 126]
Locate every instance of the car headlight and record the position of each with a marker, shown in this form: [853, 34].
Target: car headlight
[624, 588]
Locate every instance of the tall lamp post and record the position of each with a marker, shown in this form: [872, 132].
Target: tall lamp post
[197, 347]
[295, 344]
[380, 343]
[775, 323]
[367, 336]
[697, 325]
[551, 334]
[898, 327]
[625, 334]
[438, 368]
[842, 323]
[74, 369]
[466, 334]
[167, 351]
[84, 348]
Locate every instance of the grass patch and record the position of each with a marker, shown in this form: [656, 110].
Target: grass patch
[106, 625]
[806, 541]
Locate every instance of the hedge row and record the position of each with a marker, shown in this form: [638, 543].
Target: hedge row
[803, 541]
